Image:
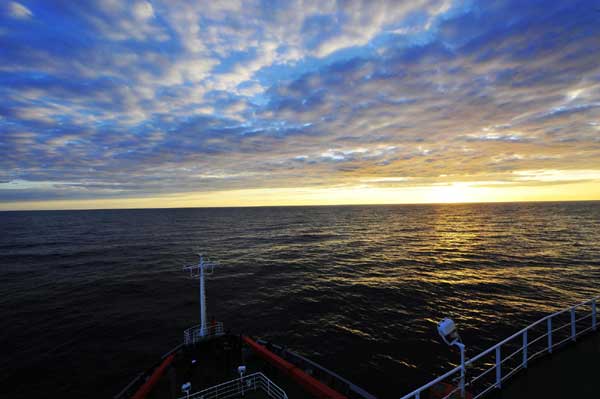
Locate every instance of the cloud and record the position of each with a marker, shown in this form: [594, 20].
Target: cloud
[17, 10]
[507, 137]
[552, 175]
[105, 99]
[143, 10]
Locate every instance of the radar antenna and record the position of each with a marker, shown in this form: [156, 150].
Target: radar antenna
[199, 270]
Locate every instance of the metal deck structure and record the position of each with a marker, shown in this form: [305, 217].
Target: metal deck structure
[486, 373]
[241, 387]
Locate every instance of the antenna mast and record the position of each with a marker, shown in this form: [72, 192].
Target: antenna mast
[199, 271]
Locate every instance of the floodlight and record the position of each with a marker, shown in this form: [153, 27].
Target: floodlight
[187, 387]
[449, 333]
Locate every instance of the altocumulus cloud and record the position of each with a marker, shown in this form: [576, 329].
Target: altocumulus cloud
[111, 99]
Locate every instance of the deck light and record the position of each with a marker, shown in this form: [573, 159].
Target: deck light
[449, 333]
[187, 387]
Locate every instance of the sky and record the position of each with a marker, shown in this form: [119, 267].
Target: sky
[135, 104]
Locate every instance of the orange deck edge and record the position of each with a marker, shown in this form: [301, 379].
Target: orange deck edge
[311, 384]
[149, 384]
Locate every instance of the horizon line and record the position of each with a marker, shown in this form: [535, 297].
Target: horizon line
[302, 205]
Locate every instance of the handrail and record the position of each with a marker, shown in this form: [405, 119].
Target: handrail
[577, 328]
[534, 324]
[197, 333]
[237, 388]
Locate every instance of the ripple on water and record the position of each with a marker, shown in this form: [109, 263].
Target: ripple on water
[99, 294]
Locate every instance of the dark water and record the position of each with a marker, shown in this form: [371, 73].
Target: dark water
[90, 298]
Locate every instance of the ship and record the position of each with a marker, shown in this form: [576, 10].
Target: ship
[213, 362]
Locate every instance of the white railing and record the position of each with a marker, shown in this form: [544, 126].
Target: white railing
[197, 333]
[240, 386]
[492, 367]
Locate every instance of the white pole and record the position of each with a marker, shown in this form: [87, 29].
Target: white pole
[550, 334]
[242, 382]
[461, 346]
[573, 325]
[202, 300]
[498, 367]
[594, 314]
[525, 358]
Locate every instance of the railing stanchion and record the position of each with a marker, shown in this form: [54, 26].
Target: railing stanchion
[573, 325]
[418, 395]
[525, 349]
[594, 314]
[498, 367]
[549, 334]
[463, 369]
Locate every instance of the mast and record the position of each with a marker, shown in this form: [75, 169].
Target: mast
[203, 330]
[200, 270]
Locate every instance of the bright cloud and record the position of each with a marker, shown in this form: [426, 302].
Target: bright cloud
[18, 10]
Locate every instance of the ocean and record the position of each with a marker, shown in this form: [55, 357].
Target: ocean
[91, 298]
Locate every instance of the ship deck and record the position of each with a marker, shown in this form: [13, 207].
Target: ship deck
[211, 368]
[215, 362]
[571, 372]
